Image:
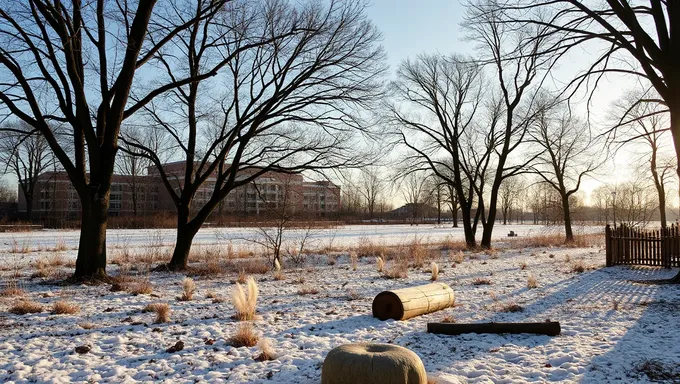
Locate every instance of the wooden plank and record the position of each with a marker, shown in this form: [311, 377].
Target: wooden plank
[550, 328]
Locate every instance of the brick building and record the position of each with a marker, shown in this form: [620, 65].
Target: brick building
[55, 197]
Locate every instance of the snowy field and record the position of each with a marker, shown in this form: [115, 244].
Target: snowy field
[614, 330]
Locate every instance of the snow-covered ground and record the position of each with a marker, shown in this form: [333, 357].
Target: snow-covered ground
[610, 324]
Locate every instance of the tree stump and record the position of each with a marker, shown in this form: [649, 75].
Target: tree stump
[369, 363]
[402, 304]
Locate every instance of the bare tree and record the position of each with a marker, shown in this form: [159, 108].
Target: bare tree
[288, 106]
[416, 194]
[569, 155]
[436, 100]
[25, 155]
[509, 196]
[73, 65]
[644, 122]
[516, 57]
[371, 188]
[638, 41]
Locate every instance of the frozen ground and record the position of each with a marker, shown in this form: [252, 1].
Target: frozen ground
[610, 325]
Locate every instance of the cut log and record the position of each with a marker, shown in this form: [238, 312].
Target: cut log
[550, 328]
[402, 304]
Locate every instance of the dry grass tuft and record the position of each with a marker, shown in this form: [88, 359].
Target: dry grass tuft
[417, 253]
[457, 257]
[23, 307]
[307, 290]
[353, 258]
[245, 303]
[452, 245]
[86, 325]
[578, 266]
[331, 259]
[448, 319]
[492, 253]
[366, 247]
[398, 270]
[143, 287]
[245, 336]
[188, 289]
[531, 282]
[435, 271]
[266, 350]
[65, 308]
[510, 307]
[353, 295]
[12, 289]
[379, 263]
[162, 311]
[255, 266]
[481, 281]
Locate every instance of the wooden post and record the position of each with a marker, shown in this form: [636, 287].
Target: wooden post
[550, 328]
[608, 245]
[402, 304]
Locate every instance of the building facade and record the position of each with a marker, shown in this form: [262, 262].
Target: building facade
[270, 194]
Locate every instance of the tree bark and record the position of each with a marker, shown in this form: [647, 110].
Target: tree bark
[185, 237]
[91, 261]
[29, 208]
[569, 234]
[674, 109]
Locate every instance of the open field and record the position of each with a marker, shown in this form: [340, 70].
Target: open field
[613, 330]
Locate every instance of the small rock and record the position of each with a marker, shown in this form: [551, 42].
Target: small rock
[209, 341]
[83, 349]
[179, 345]
[157, 330]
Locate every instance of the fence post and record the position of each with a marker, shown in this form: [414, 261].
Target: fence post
[608, 245]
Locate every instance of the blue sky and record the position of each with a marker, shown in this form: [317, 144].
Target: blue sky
[413, 27]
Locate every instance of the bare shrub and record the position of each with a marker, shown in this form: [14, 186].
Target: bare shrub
[435, 271]
[44, 269]
[379, 263]
[162, 311]
[510, 307]
[266, 350]
[23, 307]
[188, 289]
[308, 290]
[245, 336]
[457, 257]
[245, 303]
[531, 282]
[65, 308]
[481, 281]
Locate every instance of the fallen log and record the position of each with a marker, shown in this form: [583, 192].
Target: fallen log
[550, 328]
[405, 303]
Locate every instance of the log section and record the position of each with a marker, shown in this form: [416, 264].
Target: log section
[402, 304]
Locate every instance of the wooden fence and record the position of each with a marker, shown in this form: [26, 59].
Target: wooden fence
[633, 246]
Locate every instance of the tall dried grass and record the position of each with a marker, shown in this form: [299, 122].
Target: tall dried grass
[245, 303]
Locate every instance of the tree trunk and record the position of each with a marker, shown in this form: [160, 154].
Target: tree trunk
[91, 261]
[675, 131]
[454, 217]
[567, 219]
[29, 208]
[185, 236]
[470, 240]
[491, 218]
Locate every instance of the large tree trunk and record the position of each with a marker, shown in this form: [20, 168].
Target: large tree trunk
[569, 234]
[29, 208]
[470, 240]
[91, 261]
[491, 218]
[675, 131]
[185, 236]
[454, 217]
